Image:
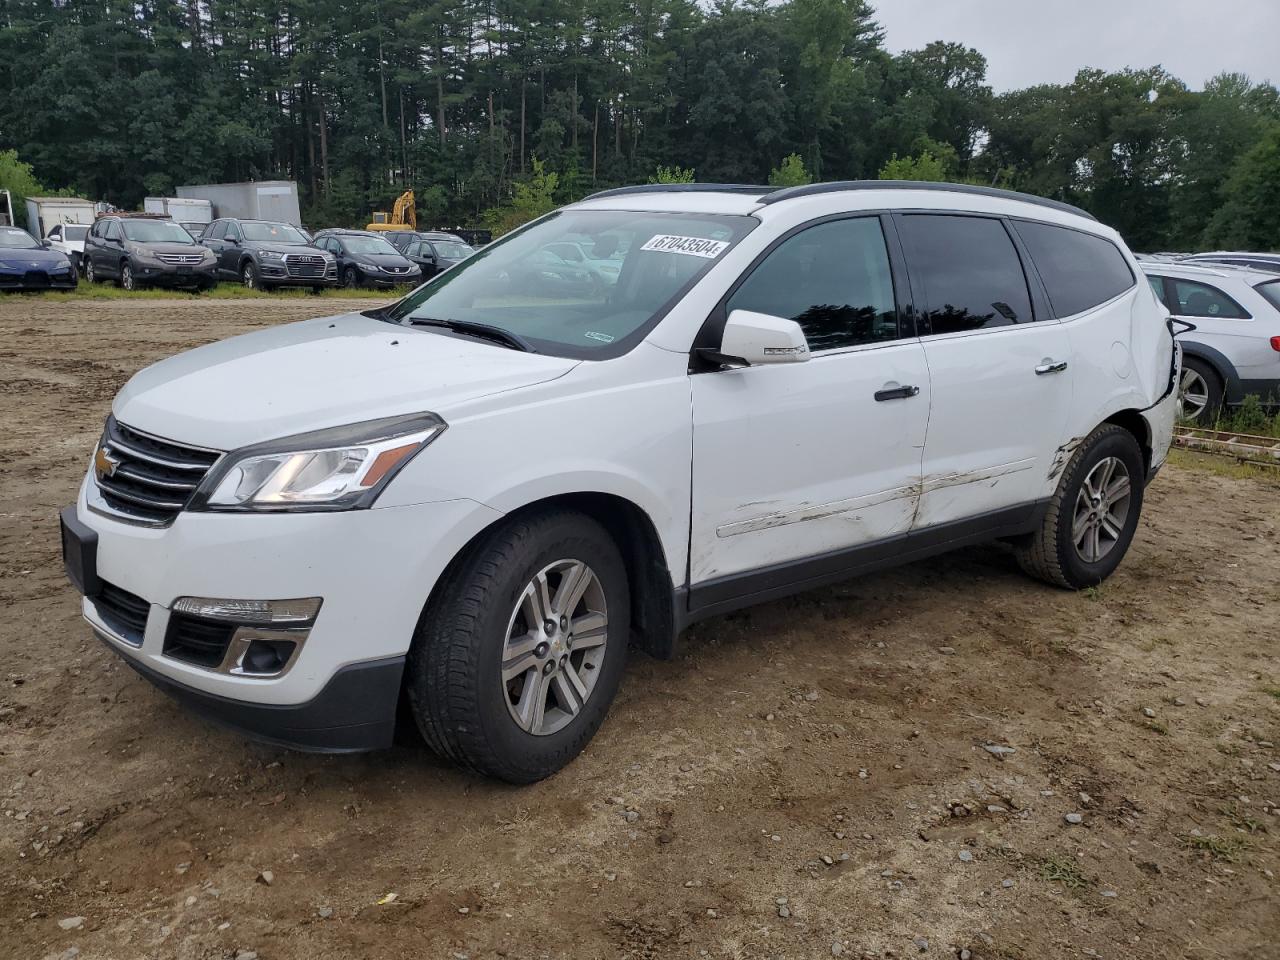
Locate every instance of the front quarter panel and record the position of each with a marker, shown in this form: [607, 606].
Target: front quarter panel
[620, 427]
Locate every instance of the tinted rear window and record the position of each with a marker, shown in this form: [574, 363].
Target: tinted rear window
[1079, 270]
[971, 272]
[1272, 292]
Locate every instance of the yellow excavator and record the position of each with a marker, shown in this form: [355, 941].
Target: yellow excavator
[404, 215]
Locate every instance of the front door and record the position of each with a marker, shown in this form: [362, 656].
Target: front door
[794, 465]
[999, 368]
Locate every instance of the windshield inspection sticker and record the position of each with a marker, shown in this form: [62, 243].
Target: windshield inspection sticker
[690, 246]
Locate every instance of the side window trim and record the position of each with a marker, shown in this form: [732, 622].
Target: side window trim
[920, 299]
[713, 326]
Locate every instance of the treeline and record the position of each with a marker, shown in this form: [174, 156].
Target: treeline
[359, 99]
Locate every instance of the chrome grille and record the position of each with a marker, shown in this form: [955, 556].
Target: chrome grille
[305, 265]
[147, 479]
[182, 258]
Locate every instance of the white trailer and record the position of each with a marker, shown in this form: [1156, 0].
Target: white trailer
[256, 200]
[187, 211]
[6, 211]
[45, 213]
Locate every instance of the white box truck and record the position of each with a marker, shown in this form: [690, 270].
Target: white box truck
[45, 213]
[192, 213]
[257, 200]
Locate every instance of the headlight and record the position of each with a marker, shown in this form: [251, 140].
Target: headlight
[271, 254]
[328, 257]
[337, 469]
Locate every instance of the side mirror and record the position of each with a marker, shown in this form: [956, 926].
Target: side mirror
[757, 338]
[46, 244]
[234, 241]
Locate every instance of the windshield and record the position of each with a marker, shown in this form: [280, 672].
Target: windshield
[522, 285]
[155, 231]
[17, 239]
[1271, 291]
[272, 233]
[74, 232]
[366, 246]
[452, 249]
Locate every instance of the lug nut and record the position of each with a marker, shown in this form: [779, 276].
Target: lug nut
[540, 650]
[549, 626]
[548, 667]
[564, 622]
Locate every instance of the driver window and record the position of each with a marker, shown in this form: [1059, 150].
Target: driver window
[833, 279]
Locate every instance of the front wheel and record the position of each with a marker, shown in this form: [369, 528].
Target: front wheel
[126, 276]
[249, 276]
[1093, 515]
[350, 277]
[521, 649]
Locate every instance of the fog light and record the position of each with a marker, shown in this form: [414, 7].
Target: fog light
[298, 612]
[267, 657]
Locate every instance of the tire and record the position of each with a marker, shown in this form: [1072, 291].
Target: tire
[350, 277]
[1199, 380]
[89, 275]
[126, 276]
[1052, 553]
[464, 708]
[249, 276]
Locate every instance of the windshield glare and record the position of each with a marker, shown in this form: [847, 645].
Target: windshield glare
[155, 231]
[368, 245]
[272, 233]
[16, 239]
[525, 285]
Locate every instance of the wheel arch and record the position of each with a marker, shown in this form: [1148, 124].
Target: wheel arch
[1133, 421]
[1232, 391]
[654, 615]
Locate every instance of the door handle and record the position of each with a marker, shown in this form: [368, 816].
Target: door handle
[896, 393]
[1051, 366]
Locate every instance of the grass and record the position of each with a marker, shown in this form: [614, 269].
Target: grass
[1222, 466]
[223, 291]
[1058, 868]
[1272, 692]
[1225, 849]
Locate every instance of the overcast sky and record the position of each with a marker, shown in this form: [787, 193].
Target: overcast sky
[1047, 41]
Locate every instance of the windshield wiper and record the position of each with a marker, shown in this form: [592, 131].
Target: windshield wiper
[482, 330]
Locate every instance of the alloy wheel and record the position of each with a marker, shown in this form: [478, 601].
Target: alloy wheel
[88, 271]
[126, 276]
[1193, 395]
[555, 646]
[1102, 509]
[249, 277]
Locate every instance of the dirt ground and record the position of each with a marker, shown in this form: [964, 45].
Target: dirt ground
[810, 778]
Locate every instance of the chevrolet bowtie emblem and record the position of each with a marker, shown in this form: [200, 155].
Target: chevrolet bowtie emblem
[104, 465]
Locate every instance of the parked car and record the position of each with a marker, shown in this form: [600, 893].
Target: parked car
[478, 496]
[433, 253]
[366, 259]
[1266, 262]
[265, 254]
[69, 238]
[30, 264]
[1235, 349]
[145, 251]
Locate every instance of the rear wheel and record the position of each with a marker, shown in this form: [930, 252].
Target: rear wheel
[1090, 522]
[1199, 392]
[89, 275]
[521, 650]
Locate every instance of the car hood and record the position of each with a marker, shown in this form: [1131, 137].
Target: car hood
[286, 248]
[319, 373]
[383, 259]
[37, 259]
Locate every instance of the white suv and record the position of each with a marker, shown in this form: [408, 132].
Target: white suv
[1234, 350]
[479, 495]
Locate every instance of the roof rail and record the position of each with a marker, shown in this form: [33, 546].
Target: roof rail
[680, 188]
[790, 193]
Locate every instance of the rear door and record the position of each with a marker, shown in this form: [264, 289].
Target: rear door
[999, 366]
[795, 465]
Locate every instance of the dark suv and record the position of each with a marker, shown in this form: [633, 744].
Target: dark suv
[263, 254]
[433, 252]
[145, 251]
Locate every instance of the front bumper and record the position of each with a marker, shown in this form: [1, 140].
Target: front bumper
[38, 280]
[374, 570]
[169, 275]
[279, 275]
[389, 280]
